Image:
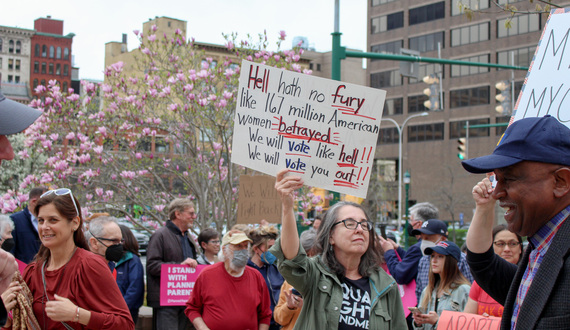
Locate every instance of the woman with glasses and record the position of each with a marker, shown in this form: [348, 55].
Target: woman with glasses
[344, 287]
[72, 288]
[508, 246]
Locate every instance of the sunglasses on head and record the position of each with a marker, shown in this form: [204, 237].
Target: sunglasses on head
[61, 192]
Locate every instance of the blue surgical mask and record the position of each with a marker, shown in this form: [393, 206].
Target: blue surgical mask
[268, 258]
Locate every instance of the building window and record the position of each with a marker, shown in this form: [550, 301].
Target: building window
[37, 50]
[66, 53]
[35, 83]
[472, 4]
[470, 34]
[416, 103]
[466, 70]
[380, 2]
[17, 79]
[428, 42]
[10, 64]
[44, 66]
[51, 51]
[51, 68]
[36, 67]
[500, 130]
[392, 47]
[318, 66]
[469, 97]
[65, 70]
[394, 106]
[58, 53]
[425, 70]
[10, 78]
[43, 83]
[523, 56]
[17, 65]
[388, 135]
[18, 47]
[427, 13]
[518, 25]
[387, 22]
[425, 132]
[457, 128]
[58, 69]
[386, 79]
[64, 89]
[44, 51]
[0, 45]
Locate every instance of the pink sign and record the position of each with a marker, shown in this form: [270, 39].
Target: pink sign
[407, 293]
[176, 283]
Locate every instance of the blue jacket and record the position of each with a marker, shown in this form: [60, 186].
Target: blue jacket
[274, 281]
[130, 279]
[406, 270]
[25, 236]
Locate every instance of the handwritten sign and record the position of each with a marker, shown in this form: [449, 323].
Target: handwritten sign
[323, 130]
[449, 320]
[258, 199]
[176, 283]
[546, 88]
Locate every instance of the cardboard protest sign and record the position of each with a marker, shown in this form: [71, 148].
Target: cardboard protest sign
[467, 321]
[323, 130]
[546, 87]
[176, 283]
[258, 199]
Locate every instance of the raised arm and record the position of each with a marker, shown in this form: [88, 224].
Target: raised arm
[480, 234]
[285, 186]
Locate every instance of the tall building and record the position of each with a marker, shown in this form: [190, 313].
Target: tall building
[430, 143]
[51, 54]
[15, 49]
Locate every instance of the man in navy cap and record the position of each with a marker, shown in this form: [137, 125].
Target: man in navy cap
[532, 166]
[432, 232]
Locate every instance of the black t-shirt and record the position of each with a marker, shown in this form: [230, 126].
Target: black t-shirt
[355, 310]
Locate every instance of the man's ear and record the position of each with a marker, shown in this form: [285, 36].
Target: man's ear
[93, 243]
[562, 182]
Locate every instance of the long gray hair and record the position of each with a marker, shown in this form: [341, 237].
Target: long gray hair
[370, 260]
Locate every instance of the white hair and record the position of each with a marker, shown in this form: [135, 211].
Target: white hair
[5, 221]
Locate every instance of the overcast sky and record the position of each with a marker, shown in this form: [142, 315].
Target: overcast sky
[95, 23]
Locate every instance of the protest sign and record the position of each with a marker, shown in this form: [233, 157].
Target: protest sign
[258, 199]
[323, 130]
[546, 86]
[449, 320]
[176, 283]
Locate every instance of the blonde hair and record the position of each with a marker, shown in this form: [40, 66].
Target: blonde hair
[262, 235]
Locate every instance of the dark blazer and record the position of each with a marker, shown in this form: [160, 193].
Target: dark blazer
[25, 236]
[546, 303]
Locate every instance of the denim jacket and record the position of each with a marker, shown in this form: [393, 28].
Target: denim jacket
[450, 301]
[322, 293]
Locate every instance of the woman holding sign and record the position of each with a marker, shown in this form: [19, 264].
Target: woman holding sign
[447, 289]
[349, 264]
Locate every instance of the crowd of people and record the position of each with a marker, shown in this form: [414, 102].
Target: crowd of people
[339, 274]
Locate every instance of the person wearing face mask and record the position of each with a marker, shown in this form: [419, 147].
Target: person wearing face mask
[6, 227]
[105, 239]
[432, 232]
[263, 238]
[228, 294]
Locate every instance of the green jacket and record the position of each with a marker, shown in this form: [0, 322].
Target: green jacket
[322, 294]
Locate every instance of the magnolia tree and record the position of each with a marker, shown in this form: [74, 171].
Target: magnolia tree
[149, 134]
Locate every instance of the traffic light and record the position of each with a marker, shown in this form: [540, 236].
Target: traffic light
[462, 154]
[504, 97]
[432, 92]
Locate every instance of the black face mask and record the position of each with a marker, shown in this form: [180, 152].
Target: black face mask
[114, 252]
[409, 229]
[8, 244]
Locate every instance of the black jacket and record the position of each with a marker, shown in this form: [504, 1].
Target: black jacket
[25, 236]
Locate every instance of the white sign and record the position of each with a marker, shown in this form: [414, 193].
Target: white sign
[323, 130]
[546, 90]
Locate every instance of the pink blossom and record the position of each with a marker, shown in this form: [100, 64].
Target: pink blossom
[230, 45]
[41, 89]
[128, 174]
[307, 71]
[159, 207]
[138, 155]
[89, 174]
[146, 51]
[84, 158]
[73, 97]
[98, 149]
[102, 130]
[88, 197]
[153, 28]
[202, 74]
[217, 146]
[70, 136]
[118, 67]
[146, 131]
[99, 192]
[282, 35]
[114, 176]
[23, 154]
[61, 165]
[106, 88]
[227, 95]
[152, 38]
[210, 175]
[173, 107]
[178, 32]
[47, 144]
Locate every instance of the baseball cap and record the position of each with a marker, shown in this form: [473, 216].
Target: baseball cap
[235, 237]
[432, 226]
[14, 116]
[539, 139]
[446, 248]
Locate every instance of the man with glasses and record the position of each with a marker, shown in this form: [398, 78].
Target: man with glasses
[171, 243]
[25, 231]
[105, 239]
[209, 241]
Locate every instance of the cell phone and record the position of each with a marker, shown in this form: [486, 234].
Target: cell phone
[416, 310]
[295, 292]
[493, 181]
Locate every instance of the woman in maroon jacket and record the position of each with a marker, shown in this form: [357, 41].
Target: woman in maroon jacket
[72, 288]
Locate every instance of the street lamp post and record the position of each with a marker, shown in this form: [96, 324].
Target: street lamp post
[400, 129]
[407, 179]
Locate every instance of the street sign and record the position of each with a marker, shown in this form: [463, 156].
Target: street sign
[410, 69]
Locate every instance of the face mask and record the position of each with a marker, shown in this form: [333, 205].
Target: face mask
[114, 252]
[240, 258]
[8, 244]
[409, 229]
[268, 258]
[425, 244]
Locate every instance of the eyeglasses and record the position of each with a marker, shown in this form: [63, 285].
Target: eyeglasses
[501, 244]
[61, 192]
[353, 224]
[214, 241]
[114, 241]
